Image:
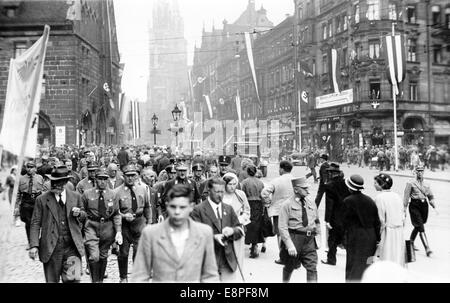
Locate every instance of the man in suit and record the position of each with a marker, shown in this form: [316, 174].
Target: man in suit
[335, 192]
[276, 192]
[179, 249]
[56, 230]
[323, 177]
[115, 180]
[148, 177]
[226, 229]
[123, 157]
[74, 177]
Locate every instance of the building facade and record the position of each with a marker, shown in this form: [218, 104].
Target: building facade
[82, 55]
[356, 30]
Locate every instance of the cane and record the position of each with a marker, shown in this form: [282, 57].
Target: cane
[239, 266]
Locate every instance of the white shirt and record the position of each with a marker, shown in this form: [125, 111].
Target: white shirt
[179, 240]
[63, 197]
[215, 207]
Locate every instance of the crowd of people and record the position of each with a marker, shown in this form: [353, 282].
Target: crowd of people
[191, 219]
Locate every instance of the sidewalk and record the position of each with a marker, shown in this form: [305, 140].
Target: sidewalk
[438, 175]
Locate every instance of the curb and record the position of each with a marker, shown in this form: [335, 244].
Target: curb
[411, 176]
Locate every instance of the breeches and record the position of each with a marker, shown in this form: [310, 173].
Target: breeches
[419, 214]
[306, 253]
[98, 239]
[131, 232]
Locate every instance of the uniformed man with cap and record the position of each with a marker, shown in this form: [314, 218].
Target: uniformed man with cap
[224, 162]
[31, 185]
[135, 209]
[199, 177]
[89, 181]
[298, 226]
[182, 179]
[103, 225]
[323, 177]
[417, 195]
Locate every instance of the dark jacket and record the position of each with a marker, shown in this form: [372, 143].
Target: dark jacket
[195, 196]
[44, 226]
[205, 214]
[123, 157]
[323, 173]
[335, 192]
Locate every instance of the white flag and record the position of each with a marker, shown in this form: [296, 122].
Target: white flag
[23, 94]
[238, 110]
[125, 109]
[248, 44]
[208, 103]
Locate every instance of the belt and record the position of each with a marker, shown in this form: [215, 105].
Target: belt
[419, 200]
[308, 233]
[99, 219]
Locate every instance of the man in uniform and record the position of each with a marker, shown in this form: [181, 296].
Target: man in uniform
[135, 209]
[198, 178]
[417, 195]
[335, 192]
[55, 233]
[323, 177]
[311, 163]
[181, 179]
[103, 225]
[298, 225]
[31, 185]
[89, 181]
[224, 161]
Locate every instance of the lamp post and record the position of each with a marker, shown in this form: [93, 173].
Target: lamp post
[154, 122]
[176, 113]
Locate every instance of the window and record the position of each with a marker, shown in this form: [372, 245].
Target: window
[300, 13]
[392, 11]
[19, 48]
[344, 56]
[413, 94]
[437, 54]
[447, 17]
[436, 13]
[324, 31]
[314, 67]
[356, 13]
[345, 21]
[411, 13]
[373, 9]
[412, 50]
[374, 49]
[358, 47]
[338, 24]
[330, 28]
[308, 9]
[374, 89]
[324, 64]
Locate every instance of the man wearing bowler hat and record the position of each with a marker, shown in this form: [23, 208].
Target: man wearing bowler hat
[362, 228]
[103, 225]
[55, 233]
[89, 181]
[31, 185]
[298, 226]
[335, 192]
[134, 207]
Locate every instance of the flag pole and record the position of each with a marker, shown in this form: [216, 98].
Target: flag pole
[28, 120]
[394, 97]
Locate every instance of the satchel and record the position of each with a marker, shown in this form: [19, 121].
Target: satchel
[267, 227]
[410, 252]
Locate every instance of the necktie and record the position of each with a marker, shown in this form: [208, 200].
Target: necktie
[219, 217]
[134, 205]
[30, 185]
[304, 214]
[101, 204]
[60, 201]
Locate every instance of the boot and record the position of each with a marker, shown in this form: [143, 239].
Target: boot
[424, 239]
[94, 268]
[102, 270]
[254, 251]
[311, 276]
[286, 275]
[123, 267]
[413, 237]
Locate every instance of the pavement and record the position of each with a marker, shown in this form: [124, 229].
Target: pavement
[16, 266]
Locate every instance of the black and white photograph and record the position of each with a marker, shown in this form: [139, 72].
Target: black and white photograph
[233, 142]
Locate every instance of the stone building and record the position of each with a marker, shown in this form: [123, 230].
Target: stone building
[82, 56]
[364, 116]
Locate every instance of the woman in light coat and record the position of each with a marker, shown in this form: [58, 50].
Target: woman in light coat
[392, 217]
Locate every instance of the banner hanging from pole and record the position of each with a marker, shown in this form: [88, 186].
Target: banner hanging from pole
[248, 44]
[208, 103]
[22, 102]
[238, 110]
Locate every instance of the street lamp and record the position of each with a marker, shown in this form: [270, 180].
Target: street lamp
[154, 122]
[176, 113]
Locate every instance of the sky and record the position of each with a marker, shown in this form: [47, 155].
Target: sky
[134, 16]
